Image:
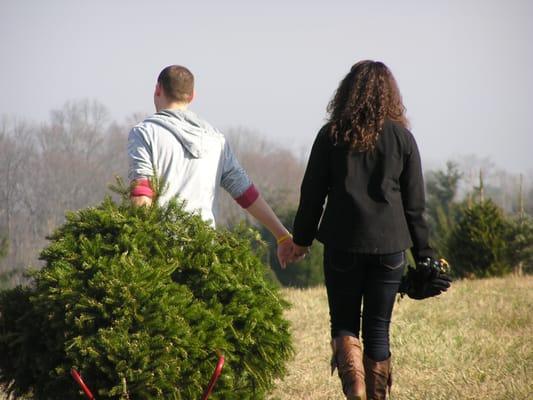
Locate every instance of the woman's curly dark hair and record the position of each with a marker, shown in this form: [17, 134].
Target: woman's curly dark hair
[365, 98]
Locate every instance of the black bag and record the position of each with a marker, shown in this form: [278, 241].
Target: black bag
[427, 279]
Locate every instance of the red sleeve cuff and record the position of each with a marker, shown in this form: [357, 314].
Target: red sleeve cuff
[142, 188]
[249, 196]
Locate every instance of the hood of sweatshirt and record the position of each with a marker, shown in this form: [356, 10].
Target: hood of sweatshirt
[186, 126]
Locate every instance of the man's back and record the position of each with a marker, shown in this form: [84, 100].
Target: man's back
[191, 158]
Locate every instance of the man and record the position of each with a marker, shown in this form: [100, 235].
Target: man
[192, 159]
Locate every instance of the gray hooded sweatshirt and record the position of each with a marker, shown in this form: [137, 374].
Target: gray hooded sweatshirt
[191, 158]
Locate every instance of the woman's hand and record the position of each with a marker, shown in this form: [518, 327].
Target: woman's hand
[299, 252]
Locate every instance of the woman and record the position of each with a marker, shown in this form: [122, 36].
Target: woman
[366, 163]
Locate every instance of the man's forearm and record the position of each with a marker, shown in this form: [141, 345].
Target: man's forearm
[261, 211]
[141, 192]
[141, 200]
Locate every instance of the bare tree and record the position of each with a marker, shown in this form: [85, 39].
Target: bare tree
[275, 171]
[17, 151]
[65, 164]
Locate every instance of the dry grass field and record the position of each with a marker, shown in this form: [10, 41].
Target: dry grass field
[474, 342]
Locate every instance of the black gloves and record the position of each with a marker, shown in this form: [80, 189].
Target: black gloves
[429, 278]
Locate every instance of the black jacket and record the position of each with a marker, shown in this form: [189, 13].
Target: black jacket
[375, 199]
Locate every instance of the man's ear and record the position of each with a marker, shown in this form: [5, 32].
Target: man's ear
[193, 96]
[158, 89]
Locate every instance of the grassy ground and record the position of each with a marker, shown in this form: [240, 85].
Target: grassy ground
[474, 342]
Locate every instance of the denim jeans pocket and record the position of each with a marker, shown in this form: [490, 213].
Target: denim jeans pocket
[338, 260]
[392, 261]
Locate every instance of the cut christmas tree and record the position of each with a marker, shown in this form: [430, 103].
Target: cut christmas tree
[140, 300]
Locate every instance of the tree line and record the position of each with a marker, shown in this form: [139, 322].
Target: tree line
[478, 236]
[67, 163]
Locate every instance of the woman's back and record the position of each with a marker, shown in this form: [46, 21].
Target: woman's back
[366, 163]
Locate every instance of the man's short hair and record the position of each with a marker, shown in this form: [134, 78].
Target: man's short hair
[177, 83]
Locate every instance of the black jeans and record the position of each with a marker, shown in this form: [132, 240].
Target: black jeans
[370, 279]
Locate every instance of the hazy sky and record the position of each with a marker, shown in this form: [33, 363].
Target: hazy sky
[465, 68]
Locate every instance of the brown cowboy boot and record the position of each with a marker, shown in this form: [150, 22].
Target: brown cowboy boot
[347, 357]
[378, 378]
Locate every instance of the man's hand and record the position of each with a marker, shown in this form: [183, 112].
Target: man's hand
[288, 252]
[285, 251]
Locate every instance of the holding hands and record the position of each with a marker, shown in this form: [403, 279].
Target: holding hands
[289, 252]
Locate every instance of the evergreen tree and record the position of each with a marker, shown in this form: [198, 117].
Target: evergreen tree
[478, 244]
[442, 210]
[3, 247]
[139, 300]
[520, 244]
[442, 185]
[5, 276]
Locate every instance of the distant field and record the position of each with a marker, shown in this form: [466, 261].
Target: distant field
[474, 342]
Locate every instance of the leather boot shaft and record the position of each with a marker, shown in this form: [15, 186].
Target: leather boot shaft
[378, 378]
[348, 358]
